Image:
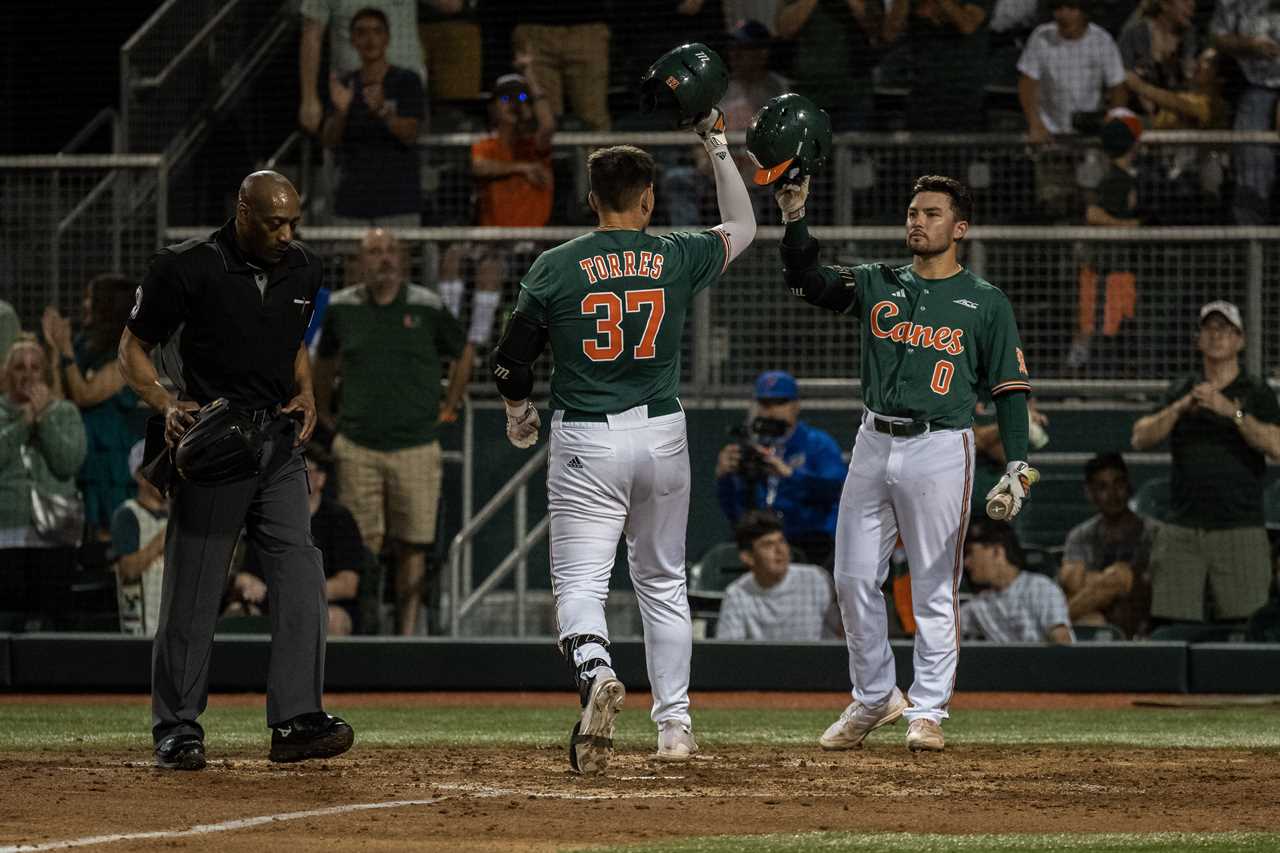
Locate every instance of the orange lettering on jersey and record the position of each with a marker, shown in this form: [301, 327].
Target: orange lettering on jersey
[586, 266]
[644, 263]
[615, 269]
[629, 263]
[656, 272]
[1022, 361]
[942, 339]
[602, 269]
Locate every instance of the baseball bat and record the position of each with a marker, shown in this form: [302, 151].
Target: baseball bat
[999, 506]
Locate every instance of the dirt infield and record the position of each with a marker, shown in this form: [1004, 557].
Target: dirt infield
[524, 799]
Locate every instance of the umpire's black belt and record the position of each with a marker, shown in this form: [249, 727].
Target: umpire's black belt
[657, 409]
[903, 429]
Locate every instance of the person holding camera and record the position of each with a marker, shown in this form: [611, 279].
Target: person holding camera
[782, 464]
[235, 306]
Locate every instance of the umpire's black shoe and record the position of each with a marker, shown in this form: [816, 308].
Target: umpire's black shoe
[314, 735]
[180, 752]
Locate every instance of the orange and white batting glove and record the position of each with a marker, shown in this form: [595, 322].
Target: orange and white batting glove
[791, 199]
[710, 128]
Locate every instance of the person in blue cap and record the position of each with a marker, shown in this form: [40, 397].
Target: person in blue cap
[782, 464]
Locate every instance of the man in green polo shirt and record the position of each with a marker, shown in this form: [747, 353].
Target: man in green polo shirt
[1222, 425]
[389, 339]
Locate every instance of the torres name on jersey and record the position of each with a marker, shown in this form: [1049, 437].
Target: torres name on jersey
[628, 264]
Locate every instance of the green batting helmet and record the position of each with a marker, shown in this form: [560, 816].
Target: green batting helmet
[684, 84]
[788, 136]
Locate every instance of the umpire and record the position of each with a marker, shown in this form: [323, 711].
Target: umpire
[233, 308]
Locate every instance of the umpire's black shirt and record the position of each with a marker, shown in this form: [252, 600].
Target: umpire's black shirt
[241, 323]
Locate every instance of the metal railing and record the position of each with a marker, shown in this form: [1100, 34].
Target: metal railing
[187, 63]
[1096, 308]
[515, 562]
[67, 218]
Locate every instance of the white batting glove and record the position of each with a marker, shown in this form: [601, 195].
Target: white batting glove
[522, 425]
[1016, 485]
[710, 128]
[791, 199]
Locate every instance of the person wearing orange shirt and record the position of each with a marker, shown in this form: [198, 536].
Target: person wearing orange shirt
[514, 189]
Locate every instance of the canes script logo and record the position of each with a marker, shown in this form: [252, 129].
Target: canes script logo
[943, 338]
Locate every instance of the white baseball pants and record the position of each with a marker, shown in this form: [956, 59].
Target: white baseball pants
[918, 487]
[629, 476]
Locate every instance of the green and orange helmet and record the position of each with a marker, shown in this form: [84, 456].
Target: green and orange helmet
[789, 138]
[684, 84]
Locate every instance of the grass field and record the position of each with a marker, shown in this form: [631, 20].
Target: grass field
[1016, 779]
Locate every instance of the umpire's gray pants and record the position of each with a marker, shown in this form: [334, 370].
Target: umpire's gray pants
[204, 524]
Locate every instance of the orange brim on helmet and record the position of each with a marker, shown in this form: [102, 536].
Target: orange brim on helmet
[768, 176]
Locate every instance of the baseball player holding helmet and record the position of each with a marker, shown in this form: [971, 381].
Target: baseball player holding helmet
[613, 304]
[933, 334]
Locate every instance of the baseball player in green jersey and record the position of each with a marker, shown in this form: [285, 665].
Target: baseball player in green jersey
[933, 334]
[613, 305]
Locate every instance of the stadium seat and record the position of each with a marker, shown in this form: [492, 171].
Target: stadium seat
[1098, 633]
[717, 568]
[1199, 632]
[1152, 499]
[1271, 506]
[243, 625]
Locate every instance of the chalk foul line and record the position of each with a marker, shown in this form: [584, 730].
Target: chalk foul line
[224, 826]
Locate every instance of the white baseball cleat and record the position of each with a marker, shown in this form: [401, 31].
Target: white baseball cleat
[675, 742]
[591, 742]
[925, 735]
[858, 721]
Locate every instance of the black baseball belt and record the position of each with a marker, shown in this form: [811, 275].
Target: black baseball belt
[657, 409]
[903, 429]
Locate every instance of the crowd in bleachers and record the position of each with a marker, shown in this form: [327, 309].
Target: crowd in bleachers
[1054, 69]
[70, 427]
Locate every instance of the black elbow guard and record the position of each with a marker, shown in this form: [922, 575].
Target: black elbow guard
[521, 344]
[800, 258]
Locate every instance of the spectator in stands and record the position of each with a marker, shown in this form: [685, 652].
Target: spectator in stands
[948, 41]
[337, 16]
[689, 187]
[837, 44]
[1200, 106]
[782, 464]
[1105, 570]
[568, 42]
[9, 329]
[1113, 204]
[1159, 50]
[341, 550]
[1070, 70]
[389, 338]
[89, 376]
[137, 545]
[1222, 426]
[512, 166]
[1249, 30]
[373, 125]
[42, 444]
[777, 599]
[1069, 67]
[453, 47]
[514, 189]
[1016, 606]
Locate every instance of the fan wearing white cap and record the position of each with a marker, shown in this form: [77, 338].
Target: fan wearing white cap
[137, 541]
[1222, 424]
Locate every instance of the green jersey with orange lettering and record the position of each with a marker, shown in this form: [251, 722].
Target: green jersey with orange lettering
[930, 345]
[614, 303]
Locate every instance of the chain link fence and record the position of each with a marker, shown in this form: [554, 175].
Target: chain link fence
[1093, 306]
[65, 219]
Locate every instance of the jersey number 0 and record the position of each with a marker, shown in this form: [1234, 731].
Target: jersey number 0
[608, 343]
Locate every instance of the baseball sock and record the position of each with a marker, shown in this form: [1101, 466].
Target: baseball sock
[483, 306]
[587, 655]
[451, 293]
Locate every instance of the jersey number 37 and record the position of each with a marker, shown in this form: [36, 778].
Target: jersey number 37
[608, 344]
